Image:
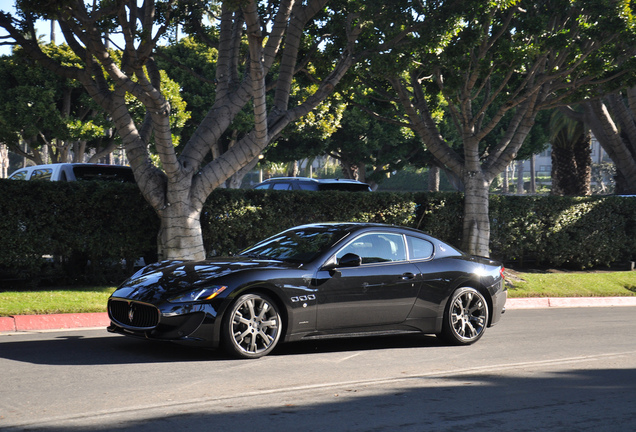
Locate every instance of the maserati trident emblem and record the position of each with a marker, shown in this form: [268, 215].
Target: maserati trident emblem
[131, 314]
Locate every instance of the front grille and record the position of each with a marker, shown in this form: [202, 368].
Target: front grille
[133, 315]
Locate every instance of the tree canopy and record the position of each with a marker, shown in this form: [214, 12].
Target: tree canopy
[488, 67]
[260, 48]
[494, 69]
[54, 115]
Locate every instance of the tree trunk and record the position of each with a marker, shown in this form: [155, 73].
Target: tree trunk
[476, 233]
[362, 172]
[293, 170]
[79, 150]
[572, 168]
[583, 158]
[236, 180]
[4, 161]
[180, 236]
[505, 188]
[520, 181]
[533, 176]
[619, 146]
[433, 178]
[561, 166]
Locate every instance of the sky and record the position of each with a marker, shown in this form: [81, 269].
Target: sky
[44, 27]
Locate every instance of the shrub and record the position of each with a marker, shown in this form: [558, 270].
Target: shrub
[84, 232]
[73, 232]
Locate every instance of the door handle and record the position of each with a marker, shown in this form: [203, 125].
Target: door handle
[408, 276]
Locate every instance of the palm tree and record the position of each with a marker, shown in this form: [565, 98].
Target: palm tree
[571, 156]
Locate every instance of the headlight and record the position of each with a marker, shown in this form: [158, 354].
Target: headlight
[201, 294]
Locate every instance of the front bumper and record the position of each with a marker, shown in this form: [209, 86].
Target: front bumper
[188, 323]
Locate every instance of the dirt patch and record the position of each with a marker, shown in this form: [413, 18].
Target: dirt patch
[513, 276]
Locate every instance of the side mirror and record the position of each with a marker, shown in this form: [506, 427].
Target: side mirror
[350, 260]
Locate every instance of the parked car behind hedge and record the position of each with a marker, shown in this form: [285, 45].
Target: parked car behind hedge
[75, 171]
[306, 183]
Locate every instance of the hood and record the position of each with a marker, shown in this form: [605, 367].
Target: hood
[169, 278]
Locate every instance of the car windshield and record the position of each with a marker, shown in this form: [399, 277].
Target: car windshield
[301, 245]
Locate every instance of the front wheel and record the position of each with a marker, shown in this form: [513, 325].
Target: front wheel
[465, 318]
[252, 327]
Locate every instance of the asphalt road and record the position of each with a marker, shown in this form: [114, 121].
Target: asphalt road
[541, 369]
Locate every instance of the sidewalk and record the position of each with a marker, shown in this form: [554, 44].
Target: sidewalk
[71, 321]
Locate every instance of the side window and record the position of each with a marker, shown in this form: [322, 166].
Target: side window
[263, 186]
[282, 186]
[419, 248]
[374, 248]
[19, 175]
[41, 174]
[307, 186]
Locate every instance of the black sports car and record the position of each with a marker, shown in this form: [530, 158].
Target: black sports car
[314, 281]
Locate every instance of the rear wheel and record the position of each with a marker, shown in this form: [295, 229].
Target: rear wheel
[252, 327]
[465, 318]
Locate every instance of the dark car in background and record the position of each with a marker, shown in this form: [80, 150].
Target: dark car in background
[314, 281]
[306, 183]
[74, 172]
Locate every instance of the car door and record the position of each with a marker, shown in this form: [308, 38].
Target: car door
[380, 291]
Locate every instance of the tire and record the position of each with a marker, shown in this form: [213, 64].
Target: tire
[466, 317]
[252, 326]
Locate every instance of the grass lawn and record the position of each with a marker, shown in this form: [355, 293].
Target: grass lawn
[58, 300]
[572, 284]
[520, 284]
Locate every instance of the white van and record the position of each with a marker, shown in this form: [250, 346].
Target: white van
[75, 171]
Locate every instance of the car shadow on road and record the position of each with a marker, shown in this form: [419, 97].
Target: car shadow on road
[70, 349]
[563, 400]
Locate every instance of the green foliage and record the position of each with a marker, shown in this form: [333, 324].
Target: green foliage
[410, 179]
[571, 232]
[441, 214]
[73, 232]
[42, 108]
[35, 99]
[234, 219]
[195, 77]
[81, 232]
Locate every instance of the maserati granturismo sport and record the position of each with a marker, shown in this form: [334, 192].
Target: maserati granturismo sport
[314, 281]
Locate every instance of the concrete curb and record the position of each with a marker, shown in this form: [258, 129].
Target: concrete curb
[568, 302]
[20, 323]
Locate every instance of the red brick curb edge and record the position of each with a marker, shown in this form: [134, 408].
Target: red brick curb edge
[70, 321]
[53, 321]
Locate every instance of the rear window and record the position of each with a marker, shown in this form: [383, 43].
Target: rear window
[282, 186]
[308, 186]
[419, 248]
[106, 173]
[351, 187]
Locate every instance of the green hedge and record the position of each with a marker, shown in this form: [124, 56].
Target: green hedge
[84, 232]
[234, 219]
[76, 232]
[571, 232]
